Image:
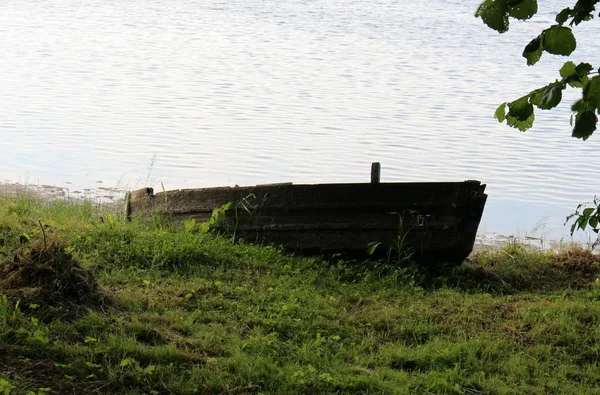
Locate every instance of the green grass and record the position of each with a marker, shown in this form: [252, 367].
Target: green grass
[186, 312]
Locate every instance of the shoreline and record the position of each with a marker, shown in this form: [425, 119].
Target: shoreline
[44, 191]
[485, 240]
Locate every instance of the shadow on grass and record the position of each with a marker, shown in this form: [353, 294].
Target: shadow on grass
[517, 269]
[30, 378]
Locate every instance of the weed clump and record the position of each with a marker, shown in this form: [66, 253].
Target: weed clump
[47, 275]
[579, 261]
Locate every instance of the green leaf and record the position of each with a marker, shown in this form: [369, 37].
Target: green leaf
[588, 211]
[568, 69]
[6, 387]
[520, 108]
[494, 13]
[535, 97]
[548, 97]
[520, 114]
[189, 225]
[500, 113]
[581, 105]
[551, 98]
[524, 9]
[577, 76]
[591, 92]
[585, 124]
[582, 223]
[583, 11]
[372, 246]
[584, 68]
[533, 51]
[562, 16]
[578, 81]
[559, 40]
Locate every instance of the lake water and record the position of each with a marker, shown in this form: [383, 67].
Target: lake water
[124, 94]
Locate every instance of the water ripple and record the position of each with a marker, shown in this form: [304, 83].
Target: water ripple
[195, 94]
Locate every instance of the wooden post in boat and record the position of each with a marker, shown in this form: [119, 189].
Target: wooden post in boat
[375, 172]
[135, 195]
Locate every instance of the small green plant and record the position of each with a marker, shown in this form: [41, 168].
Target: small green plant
[133, 364]
[24, 238]
[94, 368]
[21, 207]
[132, 367]
[373, 246]
[218, 218]
[34, 333]
[585, 215]
[8, 311]
[110, 220]
[189, 225]
[40, 391]
[6, 387]
[399, 251]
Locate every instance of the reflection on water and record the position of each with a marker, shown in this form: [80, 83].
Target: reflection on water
[203, 93]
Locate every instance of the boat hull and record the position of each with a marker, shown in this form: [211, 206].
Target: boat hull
[434, 222]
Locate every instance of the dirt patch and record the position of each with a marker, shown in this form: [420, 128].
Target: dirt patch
[48, 276]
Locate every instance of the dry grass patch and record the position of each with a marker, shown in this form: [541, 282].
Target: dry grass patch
[45, 275]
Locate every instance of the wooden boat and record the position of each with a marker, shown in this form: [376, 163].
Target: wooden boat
[436, 222]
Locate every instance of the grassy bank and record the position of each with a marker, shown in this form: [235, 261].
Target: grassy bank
[92, 304]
